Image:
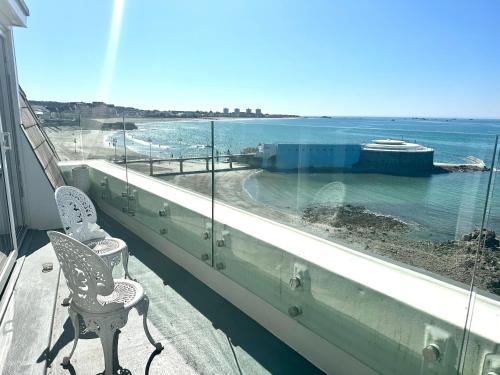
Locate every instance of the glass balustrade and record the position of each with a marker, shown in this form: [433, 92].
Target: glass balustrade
[480, 352]
[6, 244]
[361, 230]
[390, 232]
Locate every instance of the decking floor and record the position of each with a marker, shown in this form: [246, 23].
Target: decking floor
[202, 333]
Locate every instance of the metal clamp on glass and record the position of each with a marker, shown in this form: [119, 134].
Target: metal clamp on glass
[491, 364]
[164, 211]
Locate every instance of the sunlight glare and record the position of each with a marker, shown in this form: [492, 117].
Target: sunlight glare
[112, 50]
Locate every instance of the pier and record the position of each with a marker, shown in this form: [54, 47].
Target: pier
[228, 158]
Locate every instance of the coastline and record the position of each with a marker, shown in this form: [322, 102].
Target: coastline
[362, 230]
[355, 227]
[90, 144]
[151, 120]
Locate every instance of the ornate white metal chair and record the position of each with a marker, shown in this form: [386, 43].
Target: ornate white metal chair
[78, 214]
[101, 302]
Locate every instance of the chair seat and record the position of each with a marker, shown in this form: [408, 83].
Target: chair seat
[126, 291]
[105, 246]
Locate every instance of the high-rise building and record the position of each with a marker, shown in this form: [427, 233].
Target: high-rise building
[258, 112]
[226, 111]
[236, 112]
[249, 111]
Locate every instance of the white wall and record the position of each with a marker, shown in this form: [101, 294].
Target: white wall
[39, 204]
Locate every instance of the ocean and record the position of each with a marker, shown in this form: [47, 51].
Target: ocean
[438, 207]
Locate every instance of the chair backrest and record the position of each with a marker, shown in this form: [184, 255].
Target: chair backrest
[74, 207]
[87, 276]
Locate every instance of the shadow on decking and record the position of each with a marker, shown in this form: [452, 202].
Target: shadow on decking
[240, 330]
[67, 337]
[202, 332]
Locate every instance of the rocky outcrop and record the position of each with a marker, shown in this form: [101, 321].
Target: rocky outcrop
[353, 216]
[488, 236]
[361, 229]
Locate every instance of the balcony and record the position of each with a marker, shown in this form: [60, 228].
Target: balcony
[350, 304]
[200, 330]
[345, 245]
[343, 309]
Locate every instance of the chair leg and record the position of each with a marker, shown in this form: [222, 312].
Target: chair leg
[142, 309]
[67, 300]
[125, 256]
[76, 327]
[106, 334]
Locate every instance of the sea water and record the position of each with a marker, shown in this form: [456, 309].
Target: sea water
[441, 206]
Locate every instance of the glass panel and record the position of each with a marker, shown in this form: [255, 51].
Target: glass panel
[177, 152]
[249, 262]
[393, 198]
[174, 151]
[480, 353]
[165, 150]
[9, 112]
[6, 245]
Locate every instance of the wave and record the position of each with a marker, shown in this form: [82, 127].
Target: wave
[145, 143]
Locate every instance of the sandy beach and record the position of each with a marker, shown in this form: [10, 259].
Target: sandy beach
[71, 143]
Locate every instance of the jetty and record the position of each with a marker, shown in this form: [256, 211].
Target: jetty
[230, 159]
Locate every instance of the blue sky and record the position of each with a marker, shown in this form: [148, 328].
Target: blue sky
[308, 57]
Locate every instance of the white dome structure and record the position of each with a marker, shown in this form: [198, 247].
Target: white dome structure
[394, 145]
[393, 156]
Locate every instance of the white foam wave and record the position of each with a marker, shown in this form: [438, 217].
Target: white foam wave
[145, 143]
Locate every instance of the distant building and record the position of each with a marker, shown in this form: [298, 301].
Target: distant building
[249, 111]
[258, 112]
[236, 112]
[395, 156]
[226, 111]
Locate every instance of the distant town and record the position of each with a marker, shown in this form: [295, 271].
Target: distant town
[53, 111]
